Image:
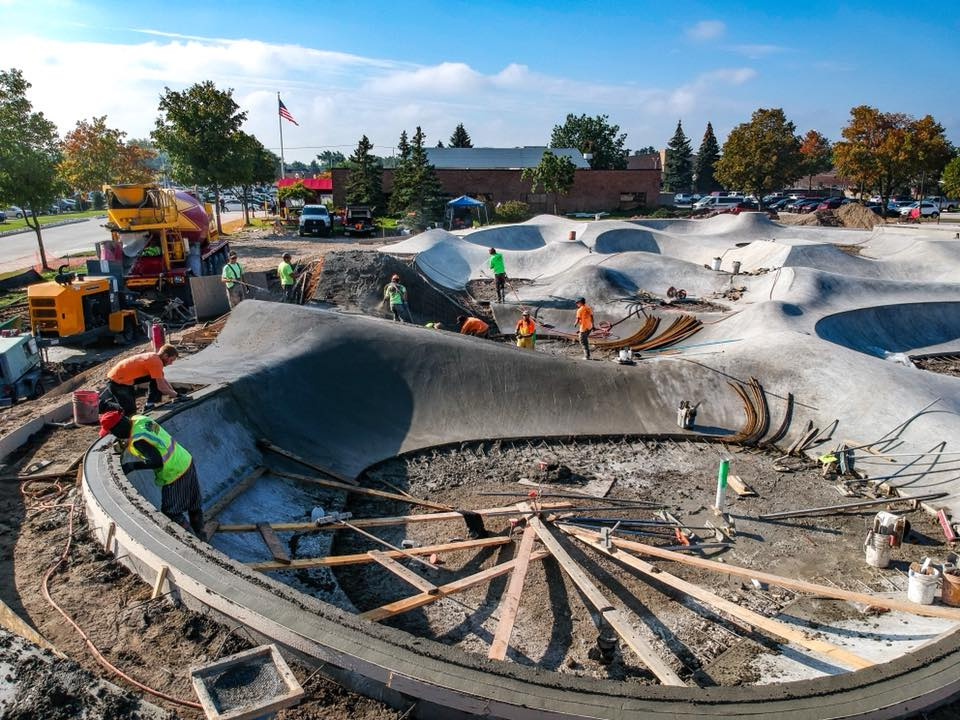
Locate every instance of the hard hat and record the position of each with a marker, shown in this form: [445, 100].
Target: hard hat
[526, 312]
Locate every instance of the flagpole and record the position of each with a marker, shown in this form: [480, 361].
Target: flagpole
[283, 164]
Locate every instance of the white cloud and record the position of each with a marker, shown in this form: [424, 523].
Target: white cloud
[336, 97]
[707, 30]
[755, 52]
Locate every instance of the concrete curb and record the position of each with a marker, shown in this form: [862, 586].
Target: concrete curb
[15, 438]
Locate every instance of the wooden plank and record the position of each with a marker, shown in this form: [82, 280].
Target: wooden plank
[778, 580]
[417, 601]
[12, 622]
[222, 502]
[510, 603]
[740, 487]
[158, 583]
[361, 491]
[616, 618]
[108, 541]
[276, 548]
[338, 560]
[403, 572]
[387, 521]
[267, 445]
[771, 626]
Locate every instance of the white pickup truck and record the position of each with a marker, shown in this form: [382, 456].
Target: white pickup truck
[946, 204]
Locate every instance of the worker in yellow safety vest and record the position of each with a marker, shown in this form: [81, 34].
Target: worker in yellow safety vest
[526, 331]
[173, 469]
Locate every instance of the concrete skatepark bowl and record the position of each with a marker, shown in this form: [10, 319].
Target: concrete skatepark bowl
[348, 392]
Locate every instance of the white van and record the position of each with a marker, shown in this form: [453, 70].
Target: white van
[716, 202]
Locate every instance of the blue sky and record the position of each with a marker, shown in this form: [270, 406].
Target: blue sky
[509, 71]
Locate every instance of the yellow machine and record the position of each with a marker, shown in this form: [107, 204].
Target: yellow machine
[75, 309]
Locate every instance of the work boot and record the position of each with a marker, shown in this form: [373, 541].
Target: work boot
[147, 407]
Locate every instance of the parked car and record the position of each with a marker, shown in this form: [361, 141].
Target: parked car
[927, 209]
[833, 203]
[17, 212]
[685, 198]
[779, 204]
[315, 220]
[716, 203]
[358, 220]
[3, 216]
[945, 204]
[808, 204]
[744, 206]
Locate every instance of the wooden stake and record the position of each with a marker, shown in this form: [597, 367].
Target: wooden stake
[111, 529]
[361, 491]
[774, 627]
[779, 581]
[616, 618]
[267, 445]
[232, 493]
[403, 572]
[740, 487]
[158, 583]
[417, 601]
[339, 560]
[510, 603]
[276, 548]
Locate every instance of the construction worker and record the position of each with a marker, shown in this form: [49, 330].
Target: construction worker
[173, 469]
[584, 325]
[472, 326]
[434, 325]
[232, 277]
[526, 331]
[123, 378]
[285, 271]
[396, 294]
[495, 263]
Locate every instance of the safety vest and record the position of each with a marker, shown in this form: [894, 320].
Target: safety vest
[176, 460]
[232, 271]
[526, 329]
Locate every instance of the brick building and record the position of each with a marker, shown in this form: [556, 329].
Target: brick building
[493, 175]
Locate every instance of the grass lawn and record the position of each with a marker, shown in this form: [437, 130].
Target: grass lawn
[13, 223]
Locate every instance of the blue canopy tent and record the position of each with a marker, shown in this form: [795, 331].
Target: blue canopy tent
[470, 205]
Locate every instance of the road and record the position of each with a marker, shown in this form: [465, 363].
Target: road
[20, 250]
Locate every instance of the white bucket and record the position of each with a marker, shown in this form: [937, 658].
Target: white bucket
[716, 263]
[736, 267]
[877, 549]
[922, 588]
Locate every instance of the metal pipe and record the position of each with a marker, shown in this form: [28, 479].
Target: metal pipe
[848, 506]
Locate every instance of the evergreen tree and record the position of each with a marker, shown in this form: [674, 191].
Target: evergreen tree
[425, 199]
[400, 192]
[678, 169]
[439, 143]
[364, 180]
[707, 157]
[460, 138]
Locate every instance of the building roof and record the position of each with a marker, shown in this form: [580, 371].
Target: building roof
[647, 161]
[497, 158]
[308, 183]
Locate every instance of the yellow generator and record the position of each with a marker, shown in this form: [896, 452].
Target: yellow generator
[78, 310]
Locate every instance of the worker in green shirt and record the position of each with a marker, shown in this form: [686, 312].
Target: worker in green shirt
[495, 263]
[232, 277]
[396, 295]
[285, 271]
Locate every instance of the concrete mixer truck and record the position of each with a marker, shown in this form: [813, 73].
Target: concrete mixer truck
[159, 238]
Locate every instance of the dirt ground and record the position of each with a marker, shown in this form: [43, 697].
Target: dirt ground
[943, 364]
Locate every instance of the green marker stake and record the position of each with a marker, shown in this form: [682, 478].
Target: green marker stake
[722, 484]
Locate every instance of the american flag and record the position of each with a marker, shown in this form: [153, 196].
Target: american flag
[285, 114]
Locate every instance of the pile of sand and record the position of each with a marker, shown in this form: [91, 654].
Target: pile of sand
[855, 215]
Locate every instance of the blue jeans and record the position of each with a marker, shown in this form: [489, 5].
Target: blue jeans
[401, 313]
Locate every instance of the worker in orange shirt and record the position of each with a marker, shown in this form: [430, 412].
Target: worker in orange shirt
[584, 325]
[123, 378]
[472, 326]
[526, 331]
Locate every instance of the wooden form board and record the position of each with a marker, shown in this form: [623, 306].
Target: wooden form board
[267, 445]
[276, 548]
[778, 580]
[416, 601]
[510, 603]
[222, 502]
[336, 485]
[12, 622]
[616, 618]
[771, 626]
[388, 521]
[740, 487]
[338, 560]
[403, 572]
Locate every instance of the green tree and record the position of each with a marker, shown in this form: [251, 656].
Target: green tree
[30, 154]
[951, 178]
[761, 155]
[197, 128]
[364, 179]
[253, 165]
[400, 192]
[95, 155]
[817, 155]
[884, 151]
[424, 194]
[678, 167]
[707, 157]
[330, 159]
[646, 150]
[460, 138]
[553, 174]
[593, 135]
[155, 159]
[294, 191]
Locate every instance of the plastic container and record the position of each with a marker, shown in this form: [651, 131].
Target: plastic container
[922, 587]
[950, 591]
[877, 549]
[158, 336]
[736, 267]
[716, 263]
[86, 406]
[572, 235]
